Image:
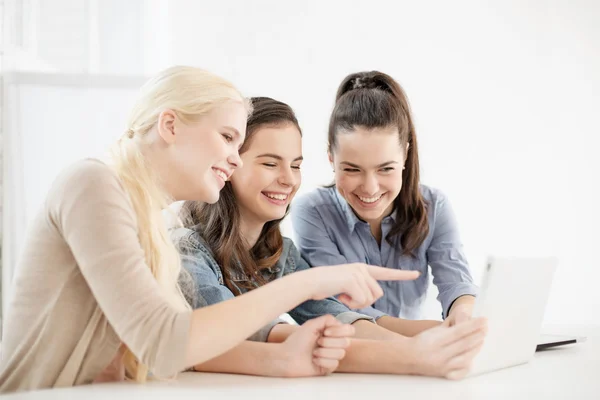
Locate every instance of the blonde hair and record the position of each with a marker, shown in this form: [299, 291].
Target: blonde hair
[191, 93]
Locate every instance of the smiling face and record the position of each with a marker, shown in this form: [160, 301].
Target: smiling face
[204, 154]
[270, 177]
[368, 167]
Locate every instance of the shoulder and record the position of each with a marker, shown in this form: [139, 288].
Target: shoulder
[434, 198]
[439, 208]
[291, 257]
[288, 246]
[87, 172]
[87, 184]
[194, 251]
[319, 203]
[187, 239]
[315, 198]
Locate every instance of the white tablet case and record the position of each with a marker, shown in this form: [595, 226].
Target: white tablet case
[513, 297]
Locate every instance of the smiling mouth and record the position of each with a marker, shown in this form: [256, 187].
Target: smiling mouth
[369, 200]
[276, 198]
[220, 174]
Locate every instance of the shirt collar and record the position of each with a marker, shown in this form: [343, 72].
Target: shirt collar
[349, 216]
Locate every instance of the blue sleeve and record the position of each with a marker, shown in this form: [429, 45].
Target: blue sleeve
[316, 247]
[202, 282]
[446, 257]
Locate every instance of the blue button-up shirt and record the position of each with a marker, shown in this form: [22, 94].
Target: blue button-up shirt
[328, 232]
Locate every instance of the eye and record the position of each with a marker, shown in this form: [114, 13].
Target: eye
[270, 165]
[296, 167]
[387, 169]
[228, 138]
[351, 169]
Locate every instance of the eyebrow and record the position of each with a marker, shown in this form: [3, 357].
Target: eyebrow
[278, 157]
[385, 164]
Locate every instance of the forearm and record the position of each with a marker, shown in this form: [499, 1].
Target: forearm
[465, 300]
[364, 330]
[280, 332]
[248, 358]
[378, 357]
[218, 328]
[372, 350]
[406, 327]
[368, 330]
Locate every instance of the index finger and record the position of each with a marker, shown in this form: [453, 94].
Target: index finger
[389, 274]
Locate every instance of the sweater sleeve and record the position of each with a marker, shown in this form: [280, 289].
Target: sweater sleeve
[93, 213]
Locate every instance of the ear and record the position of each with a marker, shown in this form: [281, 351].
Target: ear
[330, 157]
[166, 126]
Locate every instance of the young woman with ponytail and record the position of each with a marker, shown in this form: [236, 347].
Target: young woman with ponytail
[378, 212]
[96, 294]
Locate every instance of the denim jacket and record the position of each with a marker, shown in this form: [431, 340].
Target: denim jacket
[202, 281]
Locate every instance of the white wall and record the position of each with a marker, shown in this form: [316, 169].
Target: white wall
[504, 95]
[501, 92]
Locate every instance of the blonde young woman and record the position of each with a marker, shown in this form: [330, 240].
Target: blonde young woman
[95, 296]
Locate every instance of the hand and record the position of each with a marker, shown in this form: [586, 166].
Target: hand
[357, 282]
[315, 348]
[448, 351]
[460, 313]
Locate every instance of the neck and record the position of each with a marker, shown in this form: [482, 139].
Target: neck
[250, 229]
[153, 154]
[376, 231]
[375, 224]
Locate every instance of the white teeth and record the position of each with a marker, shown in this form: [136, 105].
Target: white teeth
[221, 174]
[369, 199]
[277, 196]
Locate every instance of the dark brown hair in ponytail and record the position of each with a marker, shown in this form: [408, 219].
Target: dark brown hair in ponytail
[375, 100]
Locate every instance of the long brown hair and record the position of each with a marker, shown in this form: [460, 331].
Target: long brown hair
[375, 100]
[219, 223]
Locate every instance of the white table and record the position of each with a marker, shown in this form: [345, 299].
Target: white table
[570, 372]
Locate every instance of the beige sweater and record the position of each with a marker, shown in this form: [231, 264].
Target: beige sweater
[82, 288]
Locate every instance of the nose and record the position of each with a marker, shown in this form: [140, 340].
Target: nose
[370, 184]
[235, 160]
[287, 177]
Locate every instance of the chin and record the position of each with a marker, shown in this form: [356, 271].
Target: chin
[211, 197]
[371, 214]
[274, 217]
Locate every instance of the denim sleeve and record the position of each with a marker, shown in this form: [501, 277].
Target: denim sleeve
[202, 283]
[446, 257]
[315, 308]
